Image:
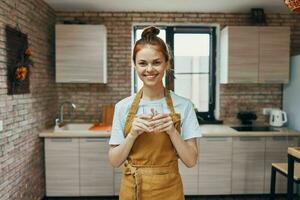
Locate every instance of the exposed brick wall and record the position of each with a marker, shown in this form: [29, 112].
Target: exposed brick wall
[233, 98]
[24, 115]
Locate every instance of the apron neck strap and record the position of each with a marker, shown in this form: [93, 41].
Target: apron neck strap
[136, 102]
[169, 101]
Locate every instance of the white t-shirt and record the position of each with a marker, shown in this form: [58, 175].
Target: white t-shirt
[189, 124]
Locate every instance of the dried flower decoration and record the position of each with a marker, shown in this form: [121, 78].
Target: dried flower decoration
[22, 67]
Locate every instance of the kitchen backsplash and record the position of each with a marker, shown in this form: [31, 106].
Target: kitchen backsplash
[248, 97]
[233, 97]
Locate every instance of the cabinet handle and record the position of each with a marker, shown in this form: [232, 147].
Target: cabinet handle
[212, 139]
[242, 81]
[279, 138]
[61, 139]
[250, 138]
[95, 139]
[273, 81]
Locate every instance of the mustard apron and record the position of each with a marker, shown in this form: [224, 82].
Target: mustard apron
[151, 170]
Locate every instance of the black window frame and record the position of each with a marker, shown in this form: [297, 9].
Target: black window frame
[169, 81]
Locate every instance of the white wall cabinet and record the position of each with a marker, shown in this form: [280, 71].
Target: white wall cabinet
[78, 167]
[251, 54]
[80, 53]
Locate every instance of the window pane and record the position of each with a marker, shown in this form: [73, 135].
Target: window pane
[191, 64]
[191, 57]
[191, 51]
[194, 87]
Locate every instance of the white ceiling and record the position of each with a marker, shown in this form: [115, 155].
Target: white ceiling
[224, 6]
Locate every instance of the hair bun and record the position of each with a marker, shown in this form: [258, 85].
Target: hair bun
[150, 32]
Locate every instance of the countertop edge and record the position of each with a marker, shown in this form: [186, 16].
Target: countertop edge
[206, 130]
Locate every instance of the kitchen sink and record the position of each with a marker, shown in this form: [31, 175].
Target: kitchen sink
[81, 128]
[255, 128]
[75, 127]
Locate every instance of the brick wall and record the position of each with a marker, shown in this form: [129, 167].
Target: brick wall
[233, 97]
[24, 115]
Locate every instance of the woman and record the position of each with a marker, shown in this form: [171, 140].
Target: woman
[150, 145]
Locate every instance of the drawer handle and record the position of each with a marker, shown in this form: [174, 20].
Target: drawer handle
[95, 140]
[61, 139]
[212, 139]
[280, 138]
[250, 138]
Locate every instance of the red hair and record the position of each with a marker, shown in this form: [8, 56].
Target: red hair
[149, 37]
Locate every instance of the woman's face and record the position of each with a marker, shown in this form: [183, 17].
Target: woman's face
[150, 65]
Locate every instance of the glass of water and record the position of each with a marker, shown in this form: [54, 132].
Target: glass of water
[152, 109]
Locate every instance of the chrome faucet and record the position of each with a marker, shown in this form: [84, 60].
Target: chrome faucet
[61, 119]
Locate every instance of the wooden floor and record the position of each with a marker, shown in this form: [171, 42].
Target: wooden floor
[236, 197]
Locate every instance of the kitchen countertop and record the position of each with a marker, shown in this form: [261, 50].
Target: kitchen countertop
[226, 130]
[207, 131]
[79, 134]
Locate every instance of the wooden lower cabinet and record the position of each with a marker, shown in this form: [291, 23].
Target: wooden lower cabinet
[215, 156]
[276, 151]
[62, 166]
[78, 167]
[189, 177]
[96, 174]
[117, 180]
[248, 165]
[226, 165]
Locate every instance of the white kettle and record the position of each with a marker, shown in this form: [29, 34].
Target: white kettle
[277, 117]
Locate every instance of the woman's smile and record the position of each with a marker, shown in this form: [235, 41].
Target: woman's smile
[151, 76]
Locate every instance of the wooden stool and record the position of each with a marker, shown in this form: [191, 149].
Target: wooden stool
[282, 168]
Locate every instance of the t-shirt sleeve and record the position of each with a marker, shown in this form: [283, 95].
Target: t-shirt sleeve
[190, 127]
[117, 135]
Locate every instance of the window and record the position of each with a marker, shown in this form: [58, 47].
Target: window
[193, 65]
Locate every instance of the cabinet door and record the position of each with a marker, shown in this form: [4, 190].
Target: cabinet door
[189, 178]
[117, 180]
[215, 155]
[248, 165]
[274, 54]
[239, 54]
[276, 151]
[80, 53]
[96, 174]
[62, 166]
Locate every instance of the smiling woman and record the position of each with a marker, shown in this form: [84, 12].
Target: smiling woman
[149, 145]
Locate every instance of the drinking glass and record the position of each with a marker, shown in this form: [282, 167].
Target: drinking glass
[152, 109]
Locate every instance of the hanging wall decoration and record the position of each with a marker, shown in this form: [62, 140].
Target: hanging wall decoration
[18, 61]
[293, 5]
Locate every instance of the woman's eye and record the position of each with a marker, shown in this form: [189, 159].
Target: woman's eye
[156, 63]
[142, 64]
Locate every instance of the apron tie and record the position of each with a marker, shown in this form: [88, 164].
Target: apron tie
[130, 170]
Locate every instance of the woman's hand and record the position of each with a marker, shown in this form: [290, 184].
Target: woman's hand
[140, 124]
[163, 122]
